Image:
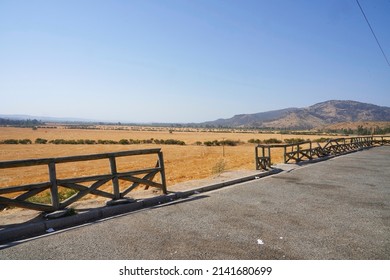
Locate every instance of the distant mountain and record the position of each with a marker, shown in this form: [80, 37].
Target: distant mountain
[251, 119]
[317, 115]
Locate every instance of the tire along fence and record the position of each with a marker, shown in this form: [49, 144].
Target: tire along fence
[309, 150]
[24, 193]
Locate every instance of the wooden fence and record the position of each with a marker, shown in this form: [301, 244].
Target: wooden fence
[309, 150]
[78, 184]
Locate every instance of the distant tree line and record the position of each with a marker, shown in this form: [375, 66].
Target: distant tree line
[361, 130]
[20, 123]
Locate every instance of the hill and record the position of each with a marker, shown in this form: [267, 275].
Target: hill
[315, 116]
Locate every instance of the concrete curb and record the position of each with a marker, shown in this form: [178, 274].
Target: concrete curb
[29, 230]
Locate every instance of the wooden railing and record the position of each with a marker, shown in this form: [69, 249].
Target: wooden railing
[309, 150]
[25, 192]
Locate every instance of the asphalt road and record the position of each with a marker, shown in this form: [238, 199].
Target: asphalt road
[335, 209]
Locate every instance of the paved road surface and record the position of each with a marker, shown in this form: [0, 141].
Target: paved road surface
[335, 209]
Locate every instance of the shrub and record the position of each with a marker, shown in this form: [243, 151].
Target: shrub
[40, 141]
[229, 142]
[124, 142]
[25, 141]
[221, 143]
[134, 141]
[89, 142]
[174, 142]
[322, 139]
[208, 143]
[219, 167]
[10, 141]
[254, 141]
[147, 141]
[57, 141]
[107, 142]
[272, 141]
[294, 140]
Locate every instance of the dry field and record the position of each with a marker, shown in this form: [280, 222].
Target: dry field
[182, 163]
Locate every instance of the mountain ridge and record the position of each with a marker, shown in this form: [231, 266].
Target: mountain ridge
[314, 116]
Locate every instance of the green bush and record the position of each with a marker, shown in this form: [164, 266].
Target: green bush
[272, 141]
[10, 141]
[89, 142]
[174, 142]
[147, 141]
[254, 141]
[322, 139]
[229, 142]
[221, 143]
[124, 142]
[40, 141]
[134, 141]
[25, 141]
[107, 142]
[294, 140]
[208, 143]
[57, 141]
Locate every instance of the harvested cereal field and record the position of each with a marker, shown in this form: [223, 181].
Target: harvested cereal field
[194, 159]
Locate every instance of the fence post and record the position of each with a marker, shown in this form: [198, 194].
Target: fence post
[115, 181]
[55, 201]
[269, 156]
[162, 172]
[256, 157]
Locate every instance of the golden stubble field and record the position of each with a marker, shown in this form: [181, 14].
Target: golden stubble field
[182, 163]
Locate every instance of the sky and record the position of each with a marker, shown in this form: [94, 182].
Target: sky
[181, 61]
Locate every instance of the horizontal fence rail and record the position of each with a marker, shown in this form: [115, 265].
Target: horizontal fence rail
[78, 184]
[309, 150]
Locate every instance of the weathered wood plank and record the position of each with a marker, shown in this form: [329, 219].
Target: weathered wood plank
[138, 172]
[26, 204]
[46, 161]
[84, 179]
[142, 181]
[85, 191]
[81, 188]
[13, 189]
[115, 182]
[160, 162]
[30, 193]
[136, 184]
[55, 201]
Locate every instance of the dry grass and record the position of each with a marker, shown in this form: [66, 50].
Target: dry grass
[182, 163]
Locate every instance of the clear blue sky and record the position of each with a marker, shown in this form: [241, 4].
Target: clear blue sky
[188, 61]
